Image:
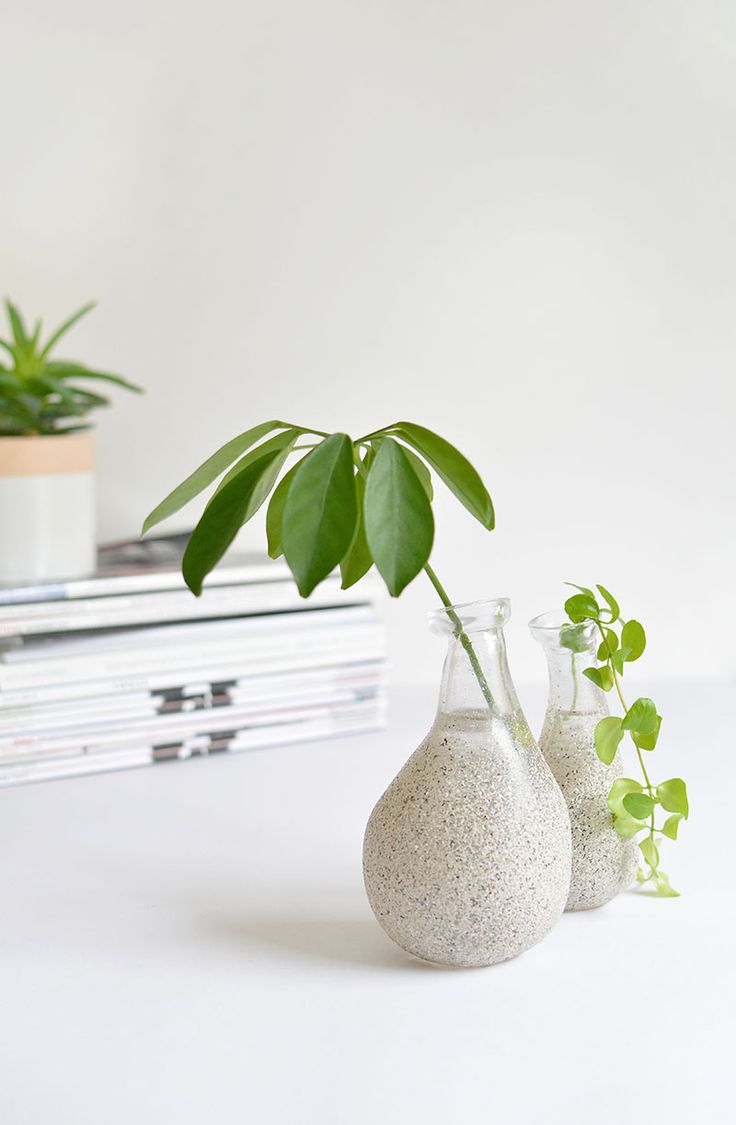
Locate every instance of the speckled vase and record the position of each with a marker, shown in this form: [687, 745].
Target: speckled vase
[466, 856]
[603, 863]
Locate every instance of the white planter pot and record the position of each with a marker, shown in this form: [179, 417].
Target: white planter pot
[47, 507]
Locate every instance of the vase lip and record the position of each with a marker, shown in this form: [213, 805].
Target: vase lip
[475, 617]
[549, 626]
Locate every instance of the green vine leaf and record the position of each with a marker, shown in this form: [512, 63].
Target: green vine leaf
[638, 805]
[609, 646]
[608, 735]
[634, 639]
[647, 741]
[672, 796]
[620, 788]
[582, 607]
[626, 826]
[671, 826]
[320, 512]
[398, 517]
[662, 886]
[650, 852]
[601, 677]
[573, 638]
[613, 607]
[641, 717]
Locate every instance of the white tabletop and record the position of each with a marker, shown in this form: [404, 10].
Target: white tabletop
[191, 943]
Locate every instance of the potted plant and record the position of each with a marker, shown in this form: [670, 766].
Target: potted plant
[467, 854]
[47, 504]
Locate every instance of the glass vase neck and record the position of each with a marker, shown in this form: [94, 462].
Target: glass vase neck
[476, 679]
[569, 649]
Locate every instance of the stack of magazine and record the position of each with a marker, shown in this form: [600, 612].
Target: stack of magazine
[128, 668]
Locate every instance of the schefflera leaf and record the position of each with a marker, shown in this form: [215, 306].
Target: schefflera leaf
[398, 517]
[454, 469]
[222, 519]
[320, 512]
[208, 471]
[358, 560]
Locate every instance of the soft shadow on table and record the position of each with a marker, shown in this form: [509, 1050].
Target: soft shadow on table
[345, 940]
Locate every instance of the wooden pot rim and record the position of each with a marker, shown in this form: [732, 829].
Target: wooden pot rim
[35, 455]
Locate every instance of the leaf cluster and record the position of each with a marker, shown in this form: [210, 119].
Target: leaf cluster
[347, 503]
[40, 395]
[635, 805]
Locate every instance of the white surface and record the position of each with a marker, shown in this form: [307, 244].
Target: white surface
[515, 222]
[186, 944]
[48, 526]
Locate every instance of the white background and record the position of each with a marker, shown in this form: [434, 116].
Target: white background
[512, 222]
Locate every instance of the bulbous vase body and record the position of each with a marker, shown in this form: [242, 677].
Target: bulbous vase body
[467, 854]
[603, 863]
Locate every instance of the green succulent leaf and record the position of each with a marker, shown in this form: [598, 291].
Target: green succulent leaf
[453, 468]
[601, 677]
[613, 606]
[221, 521]
[634, 639]
[358, 560]
[398, 517]
[64, 328]
[638, 805]
[208, 471]
[321, 512]
[641, 717]
[672, 796]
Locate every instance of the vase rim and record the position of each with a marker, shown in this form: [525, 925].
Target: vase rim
[554, 621]
[475, 617]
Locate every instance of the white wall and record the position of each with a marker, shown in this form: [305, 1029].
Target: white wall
[513, 222]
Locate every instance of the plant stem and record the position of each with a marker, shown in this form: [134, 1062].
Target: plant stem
[461, 635]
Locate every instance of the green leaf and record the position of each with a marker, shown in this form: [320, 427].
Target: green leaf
[398, 518]
[671, 826]
[626, 826]
[20, 335]
[275, 513]
[601, 677]
[358, 560]
[64, 328]
[220, 523]
[650, 851]
[647, 741]
[641, 717]
[620, 788]
[573, 637]
[583, 590]
[79, 371]
[581, 607]
[662, 885]
[634, 639]
[282, 443]
[425, 477]
[638, 805]
[608, 734]
[612, 644]
[321, 512]
[672, 796]
[610, 601]
[454, 469]
[618, 658]
[208, 471]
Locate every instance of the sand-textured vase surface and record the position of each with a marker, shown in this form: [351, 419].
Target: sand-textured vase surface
[603, 863]
[467, 854]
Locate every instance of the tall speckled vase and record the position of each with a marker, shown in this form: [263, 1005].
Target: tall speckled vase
[603, 863]
[467, 854]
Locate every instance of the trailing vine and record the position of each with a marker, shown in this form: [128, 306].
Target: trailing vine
[637, 806]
